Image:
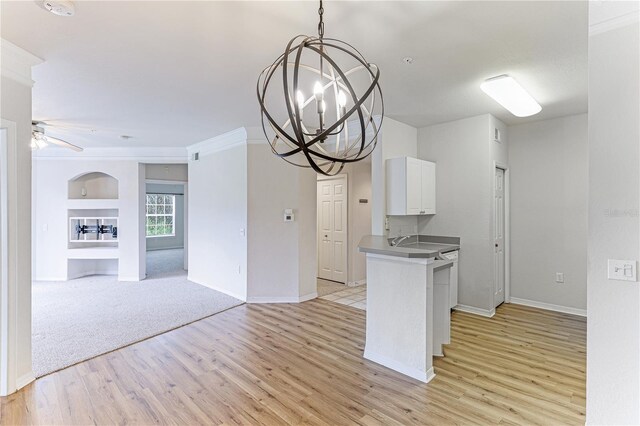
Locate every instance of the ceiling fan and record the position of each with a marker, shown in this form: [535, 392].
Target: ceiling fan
[39, 140]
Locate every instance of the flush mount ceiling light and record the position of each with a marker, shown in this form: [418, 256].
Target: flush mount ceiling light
[59, 7]
[508, 93]
[321, 84]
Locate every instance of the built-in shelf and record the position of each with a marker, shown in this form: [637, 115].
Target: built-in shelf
[93, 253]
[92, 204]
[93, 209]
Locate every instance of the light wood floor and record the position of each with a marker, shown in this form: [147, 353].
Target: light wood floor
[275, 364]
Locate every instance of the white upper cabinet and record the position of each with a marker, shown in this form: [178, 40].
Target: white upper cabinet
[411, 186]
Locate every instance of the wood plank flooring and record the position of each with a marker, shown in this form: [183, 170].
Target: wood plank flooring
[302, 364]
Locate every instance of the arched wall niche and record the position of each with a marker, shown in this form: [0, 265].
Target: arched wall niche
[93, 185]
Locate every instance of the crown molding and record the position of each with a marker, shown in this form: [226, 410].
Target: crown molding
[609, 15]
[16, 63]
[219, 143]
[149, 155]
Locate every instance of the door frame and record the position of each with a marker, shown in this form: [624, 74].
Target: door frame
[507, 228]
[8, 332]
[320, 178]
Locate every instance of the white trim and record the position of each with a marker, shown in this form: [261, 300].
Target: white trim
[549, 306]
[216, 288]
[164, 248]
[356, 283]
[423, 376]
[132, 278]
[294, 299]
[151, 155]
[165, 182]
[476, 311]
[45, 278]
[618, 19]
[4, 258]
[219, 143]
[16, 63]
[25, 379]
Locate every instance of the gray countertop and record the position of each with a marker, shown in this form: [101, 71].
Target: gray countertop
[422, 248]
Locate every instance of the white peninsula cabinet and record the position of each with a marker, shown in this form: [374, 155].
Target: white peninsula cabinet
[411, 186]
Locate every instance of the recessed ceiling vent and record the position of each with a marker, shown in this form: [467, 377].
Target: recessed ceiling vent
[59, 7]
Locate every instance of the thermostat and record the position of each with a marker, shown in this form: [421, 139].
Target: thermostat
[288, 215]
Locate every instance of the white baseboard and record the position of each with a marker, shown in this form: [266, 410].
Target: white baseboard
[356, 283]
[270, 299]
[308, 296]
[164, 248]
[548, 306]
[129, 279]
[24, 380]
[216, 288]
[423, 376]
[475, 311]
[51, 279]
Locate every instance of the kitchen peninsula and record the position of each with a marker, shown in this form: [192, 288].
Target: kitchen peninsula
[408, 314]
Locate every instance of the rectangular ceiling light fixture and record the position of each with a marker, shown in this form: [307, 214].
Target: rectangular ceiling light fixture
[508, 93]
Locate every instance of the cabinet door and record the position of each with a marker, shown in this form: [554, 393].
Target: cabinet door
[428, 180]
[414, 186]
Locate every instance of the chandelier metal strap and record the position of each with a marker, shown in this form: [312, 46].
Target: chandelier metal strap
[349, 108]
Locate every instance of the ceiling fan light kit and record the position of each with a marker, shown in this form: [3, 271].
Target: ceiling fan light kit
[320, 101]
[40, 141]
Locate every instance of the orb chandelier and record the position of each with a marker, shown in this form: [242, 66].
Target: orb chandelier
[321, 103]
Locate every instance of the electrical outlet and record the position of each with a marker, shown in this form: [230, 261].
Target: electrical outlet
[386, 223]
[559, 277]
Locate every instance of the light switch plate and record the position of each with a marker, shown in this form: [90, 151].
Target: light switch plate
[622, 270]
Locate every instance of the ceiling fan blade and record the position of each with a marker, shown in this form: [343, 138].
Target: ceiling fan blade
[63, 144]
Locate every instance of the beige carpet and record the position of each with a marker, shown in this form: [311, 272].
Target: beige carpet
[327, 287]
[80, 319]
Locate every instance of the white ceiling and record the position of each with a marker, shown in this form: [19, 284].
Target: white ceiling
[176, 73]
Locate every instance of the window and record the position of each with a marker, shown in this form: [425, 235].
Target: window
[160, 215]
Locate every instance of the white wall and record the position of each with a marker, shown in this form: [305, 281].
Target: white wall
[549, 186]
[238, 186]
[51, 177]
[396, 139]
[174, 172]
[613, 322]
[217, 217]
[464, 152]
[170, 242]
[281, 254]
[359, 217]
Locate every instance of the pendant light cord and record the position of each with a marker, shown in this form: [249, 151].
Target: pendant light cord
[321, 23]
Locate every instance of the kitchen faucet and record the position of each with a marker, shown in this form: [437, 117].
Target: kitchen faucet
[398, 240]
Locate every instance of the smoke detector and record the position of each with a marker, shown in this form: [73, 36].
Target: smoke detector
[59, 7]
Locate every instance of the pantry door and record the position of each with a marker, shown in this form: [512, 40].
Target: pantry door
[332, 229]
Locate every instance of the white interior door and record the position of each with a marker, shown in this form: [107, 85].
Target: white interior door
[332, 229]
[499, 228]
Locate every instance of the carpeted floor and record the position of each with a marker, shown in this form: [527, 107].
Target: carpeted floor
[326, 287]
[80, 319]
